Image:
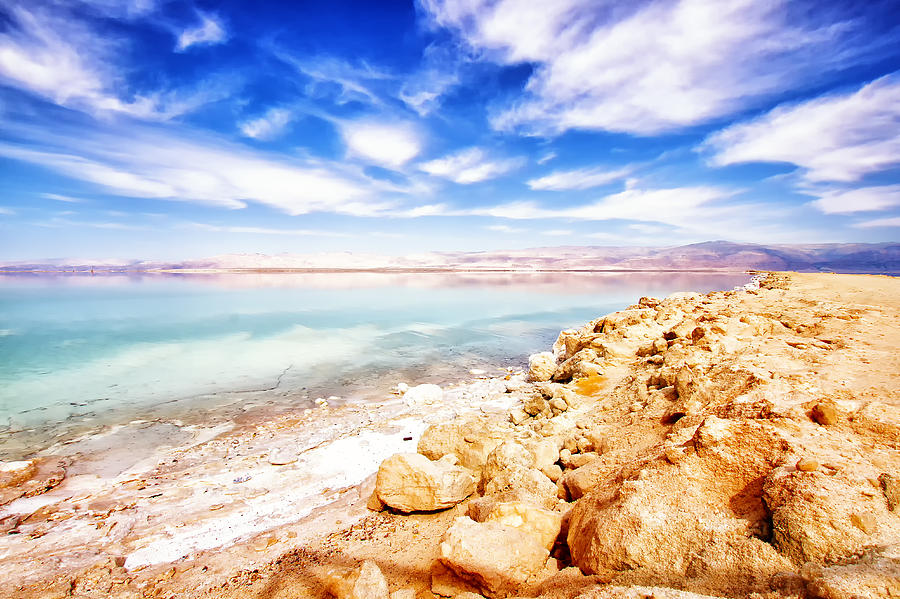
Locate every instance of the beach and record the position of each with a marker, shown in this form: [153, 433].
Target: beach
[724, 444]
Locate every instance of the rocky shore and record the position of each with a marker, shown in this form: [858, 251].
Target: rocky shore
[734, 444]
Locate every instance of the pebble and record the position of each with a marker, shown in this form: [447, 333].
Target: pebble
[824, 413]
[807, 465]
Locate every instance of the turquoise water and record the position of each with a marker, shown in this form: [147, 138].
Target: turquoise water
[80, 347]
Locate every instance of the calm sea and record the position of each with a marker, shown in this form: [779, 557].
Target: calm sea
[81, 349]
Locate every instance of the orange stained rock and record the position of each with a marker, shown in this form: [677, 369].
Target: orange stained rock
[591, 385]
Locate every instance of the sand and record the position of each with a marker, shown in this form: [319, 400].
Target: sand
[209, 515]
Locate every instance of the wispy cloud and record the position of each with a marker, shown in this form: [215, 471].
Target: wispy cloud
[269, 125]
[837, 137]
[62, 198]
[55, 55]
[208, 32]
[505, 229]
[471, 165]
[7, 211]
[154, 162]
[546, 158]
[878, 222]
[584, 178]
[386, 143]
[862, 199]
[648, 67]
[354, 82]
[267, 231]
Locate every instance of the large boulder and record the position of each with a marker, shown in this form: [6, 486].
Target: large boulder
[709, 531]
[826, 518]
[494, 558]
[410, 482]
[366, 582]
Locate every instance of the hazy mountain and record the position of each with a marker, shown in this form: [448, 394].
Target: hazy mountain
[712, 255]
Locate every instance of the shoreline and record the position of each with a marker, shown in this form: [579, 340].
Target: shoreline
[248, 563]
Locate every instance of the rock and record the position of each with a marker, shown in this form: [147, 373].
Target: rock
[13, 474]
[819, 518]
[517, 416]
[825, 413]
[540, 522]
[541, 366]
[807, 465]
[506, 456]
[522, 484]
[408, 593]
[553, 472]
[890, 485]
[495, 558]
[423, 394]
[479, 509]
[375, 504]
[442, 439]
[873, 577]
[410, 482]
[366, 582]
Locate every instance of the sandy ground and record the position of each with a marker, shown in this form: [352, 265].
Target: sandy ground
[210, 515]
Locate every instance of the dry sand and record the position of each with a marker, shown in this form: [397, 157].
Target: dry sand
[189, 524]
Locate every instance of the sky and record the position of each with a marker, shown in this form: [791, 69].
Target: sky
[155, 129]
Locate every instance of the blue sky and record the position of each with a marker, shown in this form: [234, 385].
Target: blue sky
[164, 130]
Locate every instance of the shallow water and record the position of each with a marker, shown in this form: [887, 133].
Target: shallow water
[84, 350]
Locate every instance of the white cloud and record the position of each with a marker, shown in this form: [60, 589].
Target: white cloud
[584, 178]
[838, 137]
[356, 82]
[267, 231]
[62, 198]
[469, 166]
[207, 33]
[546, 158]
[151, 162]
[863, 199]
[423, 89]
[53, 54]
[879, 222]
[505, 229]
[390, 144]
[7, 211]
[646, 67]
[268, 126]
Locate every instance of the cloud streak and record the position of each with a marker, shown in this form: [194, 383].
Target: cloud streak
[643, 68]
[584, 178]
[836, 137]
[207, 33]
[471, 165]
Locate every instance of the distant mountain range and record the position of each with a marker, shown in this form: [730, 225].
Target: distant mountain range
[712, 255]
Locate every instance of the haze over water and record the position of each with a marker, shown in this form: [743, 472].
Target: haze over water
[82, 349]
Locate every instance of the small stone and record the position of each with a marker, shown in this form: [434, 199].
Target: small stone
[410, 482]
[674, 454]
[558, 404]
[367, 582]
[553, 472]
[865, 522]
[426, 394]
[891, 487]
[807, 465]
[517, 416]
[542, 366]
[402, 388]
[825, 413]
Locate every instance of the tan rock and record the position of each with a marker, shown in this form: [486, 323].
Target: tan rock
[890, 485]
[426, 394]
[541, 366]
[873, 577]
[494, 558]
[13, 474]
[410, 482]
[366, 582]
[540, 522]
[825, 413]
[807, 465]
[448, 438]
[408, 593]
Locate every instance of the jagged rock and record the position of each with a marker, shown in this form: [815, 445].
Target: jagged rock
[541, 366]
[471, 440]
[366, 582]
[423, 394]
[700, 530]
[410, 482]
[13, 474]
[816, 517]
[507, 456]
[522, 484]
[495, 558]
[540, 522]
[873, 577]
